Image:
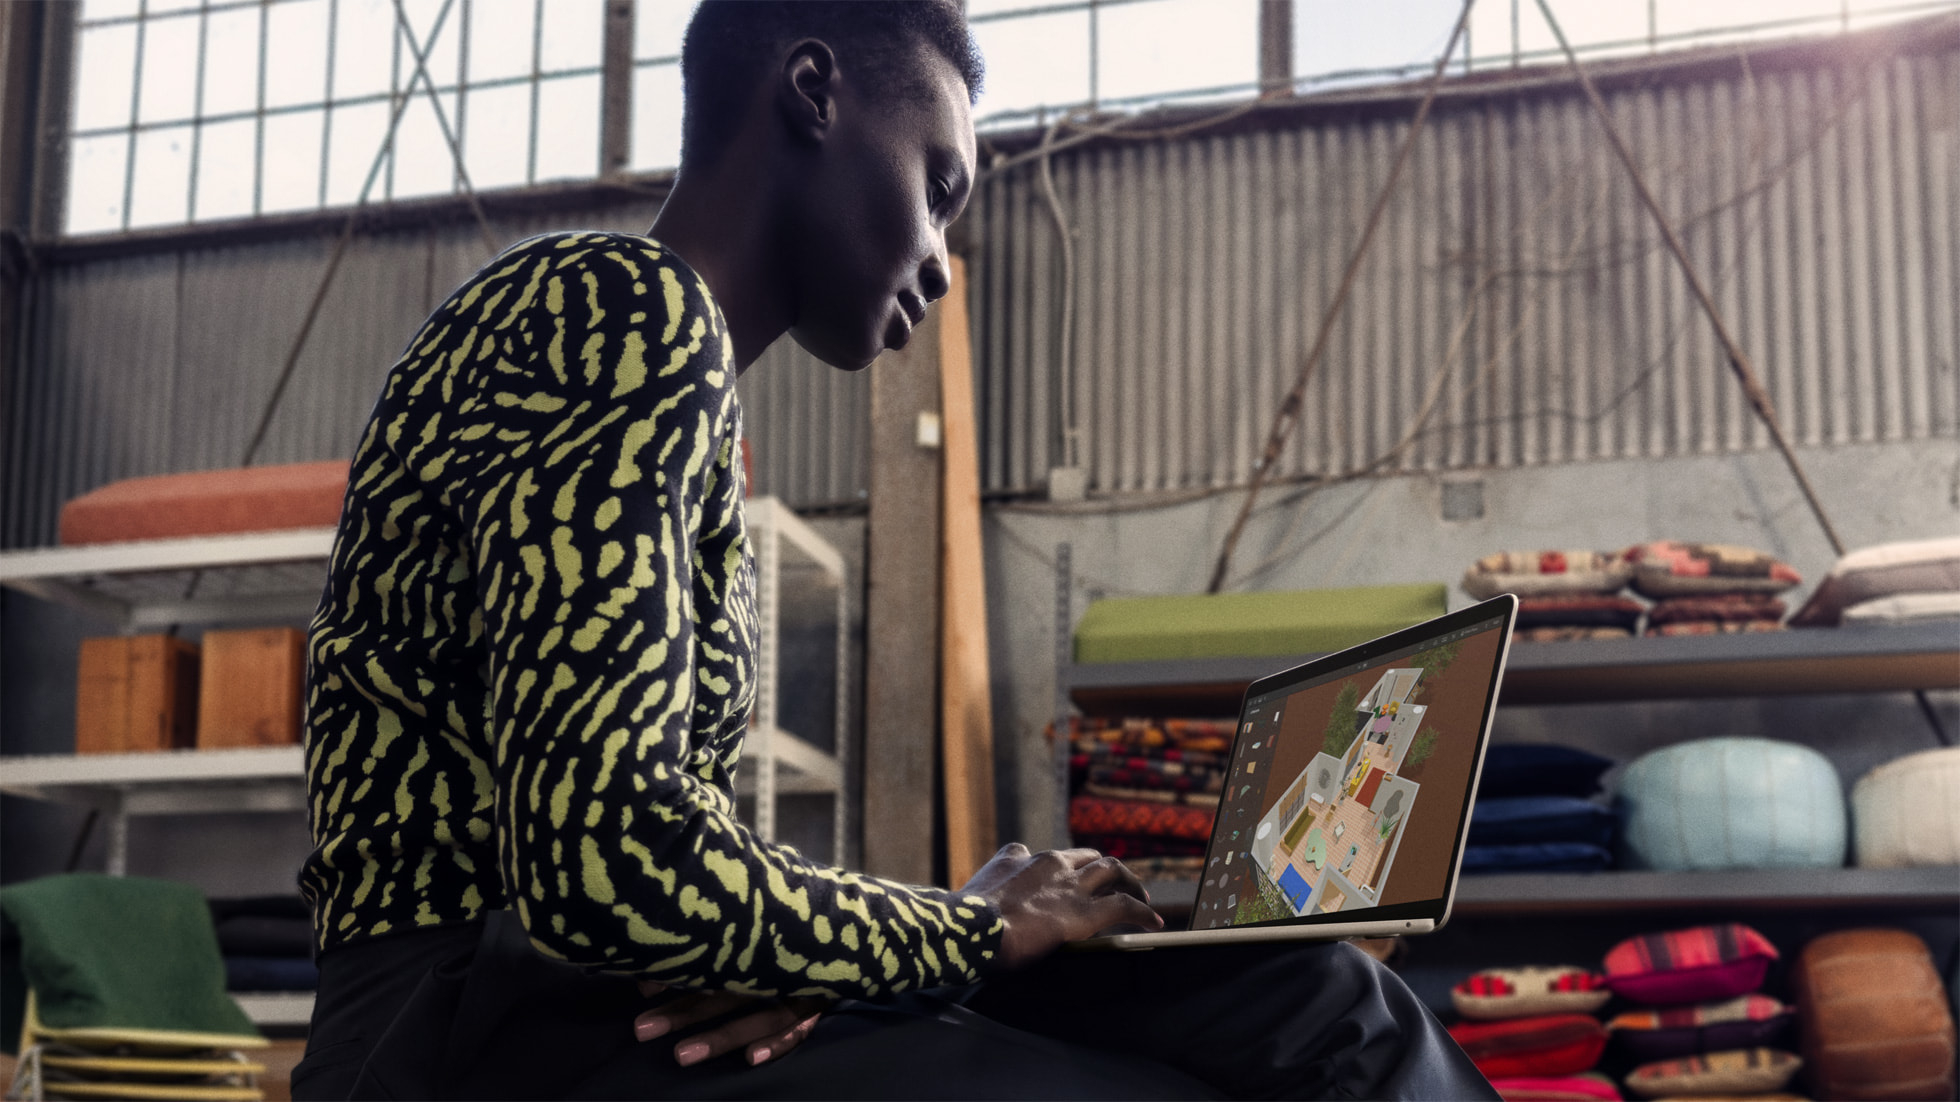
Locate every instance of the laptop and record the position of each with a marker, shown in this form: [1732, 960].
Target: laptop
[1349, 789]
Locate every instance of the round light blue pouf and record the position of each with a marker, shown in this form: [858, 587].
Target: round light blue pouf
[1732, 803]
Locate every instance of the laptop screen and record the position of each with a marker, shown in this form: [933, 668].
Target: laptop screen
[1349, 781]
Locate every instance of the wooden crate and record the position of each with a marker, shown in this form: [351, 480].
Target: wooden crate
[252, 686]
[135, 692]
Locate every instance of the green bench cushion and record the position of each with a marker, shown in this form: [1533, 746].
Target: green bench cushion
[1250, 625]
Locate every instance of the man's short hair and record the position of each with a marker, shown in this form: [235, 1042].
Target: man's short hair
[730, 43]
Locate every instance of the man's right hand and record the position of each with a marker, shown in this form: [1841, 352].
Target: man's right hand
[1058, 895]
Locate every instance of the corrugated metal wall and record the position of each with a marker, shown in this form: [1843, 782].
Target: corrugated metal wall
[1516, 291]
[1820, 203]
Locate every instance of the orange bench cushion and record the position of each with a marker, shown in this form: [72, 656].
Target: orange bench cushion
[209, 503]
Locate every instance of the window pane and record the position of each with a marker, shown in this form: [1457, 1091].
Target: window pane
[656, 117]
[108, 58]
[296, 53]
[1174, 45]
[1677, 16]
[231, 69]
[1331, 37]
[292, 161]
[363, 51]
[1036, 61]
[977, 8]
[356, 137]
[422, 162]
[574, 35]
[500, 38]
[225, 156]
[95, 183]
[497, 135]
[163, 177]
[658, 26]
[444, 54]
[568, 128]
[159, 7]
[109, 9]
[169, 71]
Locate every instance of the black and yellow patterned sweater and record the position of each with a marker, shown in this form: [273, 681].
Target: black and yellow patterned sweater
[532, 667]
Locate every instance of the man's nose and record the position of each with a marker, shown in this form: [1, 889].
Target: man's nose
[934, 281]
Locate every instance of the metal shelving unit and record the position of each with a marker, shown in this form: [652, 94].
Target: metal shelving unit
[1846, 659]
[147, 584]
[1801, 660]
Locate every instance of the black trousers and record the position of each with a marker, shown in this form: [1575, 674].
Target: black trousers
[472, 1012]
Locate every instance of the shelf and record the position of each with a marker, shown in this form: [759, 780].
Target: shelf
[1621, 892]
[276, 1008]
[143, 583]
[1739, 889]
[169, 782]
[1798, 661]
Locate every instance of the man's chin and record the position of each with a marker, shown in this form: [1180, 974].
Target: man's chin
[835, 353]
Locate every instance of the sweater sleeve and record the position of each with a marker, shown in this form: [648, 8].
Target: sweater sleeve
[582, 429]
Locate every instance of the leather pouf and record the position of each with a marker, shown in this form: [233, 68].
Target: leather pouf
[1907, 812]
[1874, 1017]
[1732, 803]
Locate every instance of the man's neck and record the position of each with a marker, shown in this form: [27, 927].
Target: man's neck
[719, 222]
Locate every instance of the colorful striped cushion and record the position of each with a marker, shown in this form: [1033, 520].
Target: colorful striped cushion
[1671, 568]
[1547, 1045]
[1497, 993]
[1546, 573]
[1699, 964]
[1663, 1033]
[1590, 1087]
[1736, 1071]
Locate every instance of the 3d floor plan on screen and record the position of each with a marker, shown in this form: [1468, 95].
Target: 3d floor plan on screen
[1330, 841]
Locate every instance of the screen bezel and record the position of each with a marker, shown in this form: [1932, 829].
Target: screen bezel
[1504, 606]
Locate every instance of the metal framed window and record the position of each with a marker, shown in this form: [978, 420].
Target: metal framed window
[194, 110]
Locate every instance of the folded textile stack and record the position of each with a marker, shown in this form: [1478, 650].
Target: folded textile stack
[1710, 588]
[267, 943]
[1561, 594]
[1534, 812]
[1531, 1031]
[1147, 790]
[1708, 1030]
[1892, 583]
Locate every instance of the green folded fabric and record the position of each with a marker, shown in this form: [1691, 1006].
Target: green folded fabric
[115, 951]
[1251, 625]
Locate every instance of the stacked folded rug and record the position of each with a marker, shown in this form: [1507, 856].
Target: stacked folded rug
[1696, 589]
[1533, 1033]
[1704, 1027]
[267, 943]
[1535, 812]
[1893, 583]
[1710, 588]
[1146, 790]
[1562, 595]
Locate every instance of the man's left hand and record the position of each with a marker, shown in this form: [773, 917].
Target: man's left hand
[770, 1028]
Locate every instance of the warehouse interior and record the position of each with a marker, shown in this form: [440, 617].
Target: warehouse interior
[1258, 301]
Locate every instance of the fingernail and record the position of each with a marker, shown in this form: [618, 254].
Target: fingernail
[646, 1029]
[691, 1053]
[758, 1056]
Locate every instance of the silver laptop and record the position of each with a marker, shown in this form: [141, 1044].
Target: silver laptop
[1348, 794]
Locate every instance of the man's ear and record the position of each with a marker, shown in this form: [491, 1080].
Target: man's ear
[807, 89]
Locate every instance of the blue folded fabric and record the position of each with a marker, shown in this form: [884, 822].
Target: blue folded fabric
[1540, 769]
[270, 974]
[1514, 820]
[1536, 857]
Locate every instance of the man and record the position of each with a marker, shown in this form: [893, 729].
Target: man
[532, 666]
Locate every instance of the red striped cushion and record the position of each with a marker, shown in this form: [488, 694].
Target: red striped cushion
[1699, 964]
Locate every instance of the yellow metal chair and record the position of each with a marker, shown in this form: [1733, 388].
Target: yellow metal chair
[109, 1062]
